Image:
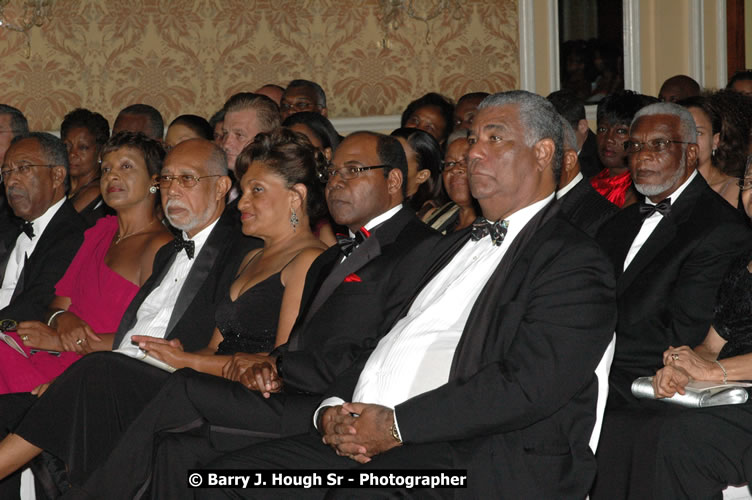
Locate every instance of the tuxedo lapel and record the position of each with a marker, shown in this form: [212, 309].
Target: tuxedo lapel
[20, 283]
[199, 271]
[491, 298]
[324, 270]
[362, 255]
[6, 247]
[663, 234]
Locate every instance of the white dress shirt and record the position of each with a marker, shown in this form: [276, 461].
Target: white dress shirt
[649, 224]
[376, 221]
[416, 355]
[23, 248]
[154, 314]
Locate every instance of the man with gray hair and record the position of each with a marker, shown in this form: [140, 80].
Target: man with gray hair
[670, 253]
[491, 367]
[585, 208]
[246, 115]
[37, 246]
[303, 95]
[12, 124]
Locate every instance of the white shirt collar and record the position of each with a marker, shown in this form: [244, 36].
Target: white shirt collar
[562, 191]
[41, 222]
[380, 218]
[675, 195]
[521, 217]
[200, 238]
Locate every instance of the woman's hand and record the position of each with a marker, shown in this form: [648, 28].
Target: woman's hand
[41, 388]
[75, 334]
[169, 351]
[669, 380]
[37, 334]
[695, 366]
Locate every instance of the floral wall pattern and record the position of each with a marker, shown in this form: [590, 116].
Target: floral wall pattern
[188, 56]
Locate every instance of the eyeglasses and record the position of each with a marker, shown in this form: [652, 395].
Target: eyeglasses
[345, 173]
[449, 165]
[186, 181]
[654, 145]
[22, 170]
[297, 106]
[745, 184]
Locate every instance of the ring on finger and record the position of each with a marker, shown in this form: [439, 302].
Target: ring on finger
[25, 338]
[79, 341]
[675, 356]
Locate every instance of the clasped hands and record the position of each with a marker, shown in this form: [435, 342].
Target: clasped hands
[681, 365]
[257, 372]
[72, 334]
[358, 431]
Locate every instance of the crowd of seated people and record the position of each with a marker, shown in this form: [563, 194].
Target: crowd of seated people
[253, 291]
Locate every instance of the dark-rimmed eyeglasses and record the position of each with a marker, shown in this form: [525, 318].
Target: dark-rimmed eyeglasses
[449, 165]
[345, 173]
[745, 184]
[22, 170]
[186, 181]
[653, 145]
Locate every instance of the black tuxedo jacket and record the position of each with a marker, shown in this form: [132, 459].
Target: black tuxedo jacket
[586, 208]
[667, 294]
[590, 163]
[192, 320]
[347, 307]
[45, 266]
[519, 407]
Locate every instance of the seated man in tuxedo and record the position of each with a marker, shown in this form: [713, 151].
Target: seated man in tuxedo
[36, 247]
[189, 279]
[491, 368]
[578, 200]
[353, 293]
[670, 254]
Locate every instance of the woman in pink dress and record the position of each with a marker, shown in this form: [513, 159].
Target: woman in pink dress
[104, 276]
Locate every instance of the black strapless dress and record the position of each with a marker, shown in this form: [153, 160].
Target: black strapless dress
[83, 414]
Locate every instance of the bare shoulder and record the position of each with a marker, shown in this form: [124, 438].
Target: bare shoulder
[299, 265]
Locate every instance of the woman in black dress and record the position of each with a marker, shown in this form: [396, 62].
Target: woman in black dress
[78, 419]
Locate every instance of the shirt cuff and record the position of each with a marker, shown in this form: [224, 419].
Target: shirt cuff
[396, 425]
[334, 401]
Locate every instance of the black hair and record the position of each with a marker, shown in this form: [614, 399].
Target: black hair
[571, 107]
[18, 123]
[428, 153]
[197, 124]
[151, 150]
[96, 124]
[620, 107]
[320, 94]
[446, 109]
[154, 118]
[53, 149]
[318, 124]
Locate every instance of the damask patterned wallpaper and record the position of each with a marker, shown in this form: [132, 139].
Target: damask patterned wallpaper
[188, 56]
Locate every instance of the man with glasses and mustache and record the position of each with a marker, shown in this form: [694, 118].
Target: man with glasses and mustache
[38, 245]
[190, 276]
[670, 253]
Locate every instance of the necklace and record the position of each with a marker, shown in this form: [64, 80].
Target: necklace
[119, 238]
[73, 196]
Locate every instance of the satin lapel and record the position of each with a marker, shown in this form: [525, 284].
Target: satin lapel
[129, 317]
[21, 278]
[325, 270]
[6, 247]
[473, 335]
[199, 272]
[663, 234]
[362, 255]
[569, 202]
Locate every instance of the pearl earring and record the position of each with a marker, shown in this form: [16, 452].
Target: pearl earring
[153, 189]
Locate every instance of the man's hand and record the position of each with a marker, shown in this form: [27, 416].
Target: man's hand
[239, 363]
[358, 430]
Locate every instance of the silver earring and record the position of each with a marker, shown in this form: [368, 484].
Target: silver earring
[712, 153]
[153, 189]
[294, 219]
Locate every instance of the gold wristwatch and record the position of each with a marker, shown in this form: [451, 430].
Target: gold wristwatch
[395, 433]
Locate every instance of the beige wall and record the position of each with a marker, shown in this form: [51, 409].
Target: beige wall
[188, 56]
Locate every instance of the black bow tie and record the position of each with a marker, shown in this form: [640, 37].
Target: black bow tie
[482, 228]
[347, 245]
[663, 208]
[189, 245]
[28, 228]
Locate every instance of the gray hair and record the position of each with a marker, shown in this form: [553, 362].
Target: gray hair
[217, 161]
[267, 111]
[538, 118]
[52, 148]
[687, 128]
[460, 133]
[18, 123]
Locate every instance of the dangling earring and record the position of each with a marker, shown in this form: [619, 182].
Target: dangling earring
[153, 189]
[294, 219]
[712, 153]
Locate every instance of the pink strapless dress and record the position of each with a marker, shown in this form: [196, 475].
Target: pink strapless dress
[98, 296]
